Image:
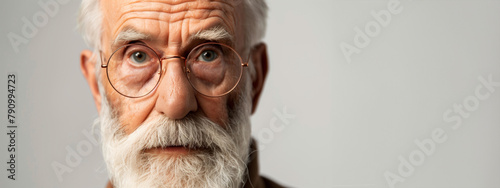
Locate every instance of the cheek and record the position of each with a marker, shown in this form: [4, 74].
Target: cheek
[214, 109]
[220, 109]
[131, 112]
[134, 114]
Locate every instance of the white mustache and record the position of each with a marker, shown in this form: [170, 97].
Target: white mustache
[193, 131]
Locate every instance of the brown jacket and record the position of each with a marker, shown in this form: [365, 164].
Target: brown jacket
[254, 180]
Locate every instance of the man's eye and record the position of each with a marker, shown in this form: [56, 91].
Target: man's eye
[207, 56]
[139, 57]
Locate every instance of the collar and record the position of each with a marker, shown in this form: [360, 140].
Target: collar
[253, 179]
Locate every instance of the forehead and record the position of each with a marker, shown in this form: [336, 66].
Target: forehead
[167, 21]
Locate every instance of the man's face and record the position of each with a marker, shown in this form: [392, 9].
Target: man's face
[174, 135]
[169, 27]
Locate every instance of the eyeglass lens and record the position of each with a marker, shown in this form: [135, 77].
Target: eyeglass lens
[213, 69]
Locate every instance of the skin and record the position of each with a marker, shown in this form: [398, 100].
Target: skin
[170, 24]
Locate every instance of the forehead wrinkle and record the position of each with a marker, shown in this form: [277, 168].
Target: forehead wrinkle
[164, 12]
[173, 18]
[182, 4]
[175, 12]
[185, 26]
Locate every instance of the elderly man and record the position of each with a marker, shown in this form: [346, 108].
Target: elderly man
[175, 82]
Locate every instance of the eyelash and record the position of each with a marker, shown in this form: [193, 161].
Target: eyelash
[184, 53]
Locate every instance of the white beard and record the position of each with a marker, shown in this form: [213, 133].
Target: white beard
[222, 165]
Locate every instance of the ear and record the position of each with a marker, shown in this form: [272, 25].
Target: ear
[87, 64]
[260, 61]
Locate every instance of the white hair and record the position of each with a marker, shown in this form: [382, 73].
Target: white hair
[255, 21]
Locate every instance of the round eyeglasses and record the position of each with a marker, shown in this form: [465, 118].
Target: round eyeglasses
[213, 69]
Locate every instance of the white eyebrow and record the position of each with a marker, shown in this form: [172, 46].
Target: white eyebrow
[129, 35]
[212, 34]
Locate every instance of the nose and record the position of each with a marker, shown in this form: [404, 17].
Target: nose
[176, 96]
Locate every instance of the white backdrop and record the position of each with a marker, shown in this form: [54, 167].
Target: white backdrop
[417, 105]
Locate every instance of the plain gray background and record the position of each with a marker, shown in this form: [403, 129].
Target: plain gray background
[348, 123]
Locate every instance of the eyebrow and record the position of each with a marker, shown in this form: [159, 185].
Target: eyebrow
[129, 35]
[216, 33]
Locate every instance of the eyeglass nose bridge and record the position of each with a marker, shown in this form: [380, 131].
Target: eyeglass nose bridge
[172, 57]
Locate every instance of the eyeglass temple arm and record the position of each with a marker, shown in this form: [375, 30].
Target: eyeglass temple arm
[245, 64]
[102, 60]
